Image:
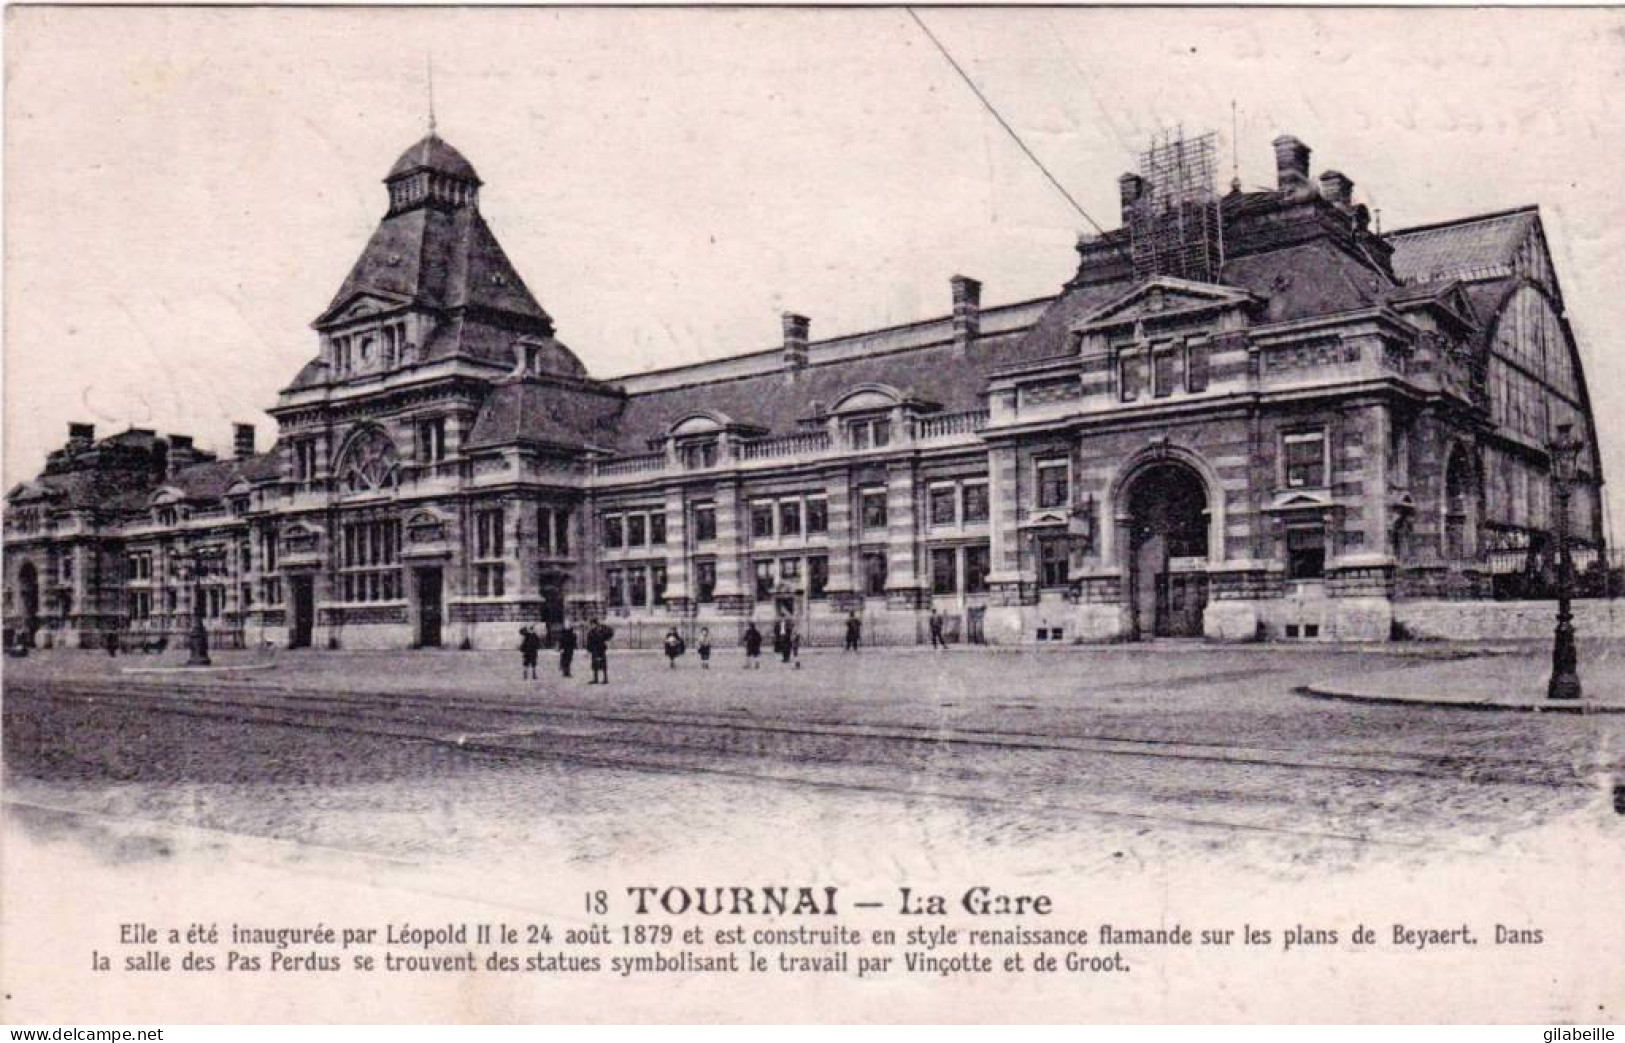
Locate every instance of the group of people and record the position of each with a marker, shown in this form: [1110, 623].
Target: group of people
[786, 645]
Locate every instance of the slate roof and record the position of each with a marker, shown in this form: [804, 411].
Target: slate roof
[432, 153]
[1469, 249]
[546, 413]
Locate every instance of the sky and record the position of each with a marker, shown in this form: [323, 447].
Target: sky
[185, 189]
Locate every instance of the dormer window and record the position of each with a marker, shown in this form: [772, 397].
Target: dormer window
[870, 432]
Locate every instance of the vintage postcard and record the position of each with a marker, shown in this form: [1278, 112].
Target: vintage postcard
[800, 514]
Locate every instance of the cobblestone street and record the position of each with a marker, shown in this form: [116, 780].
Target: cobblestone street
[1075, 755]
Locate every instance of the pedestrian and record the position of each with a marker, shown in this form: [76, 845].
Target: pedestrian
[598, 637]
[753, 647]
[784, 634]
[704, 647]
[529, 645]
[567, 648]
[854, 630]
[936, 630]
[674, 647]
[795, 647]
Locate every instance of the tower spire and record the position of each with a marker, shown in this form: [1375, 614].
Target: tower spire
[431, 94]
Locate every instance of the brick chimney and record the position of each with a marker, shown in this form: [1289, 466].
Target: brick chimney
[1130, 187]
[242, 440]
[795, 340]
[81, 436]
[1337, 189]
[1291, 161]
[967, 294]
[181, 455]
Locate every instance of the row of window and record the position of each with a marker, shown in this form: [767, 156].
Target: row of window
[789, 516]
[634, 529]
[374, 349]
[1172, 368]
[369, 561]
[962, 503]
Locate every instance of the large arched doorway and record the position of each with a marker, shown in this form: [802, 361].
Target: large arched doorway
[28, 592]
[1167, 551]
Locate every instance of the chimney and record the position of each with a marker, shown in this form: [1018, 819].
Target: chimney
[1291, 161]
[795, 340]
[81, 436]
[1130, 187]
[1337, 189]
[967, 310]
[242, 440]
[181, 454]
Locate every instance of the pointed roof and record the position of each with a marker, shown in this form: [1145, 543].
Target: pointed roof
[1481, 247]
[437, 258]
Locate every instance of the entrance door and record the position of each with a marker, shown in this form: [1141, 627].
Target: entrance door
[429, 598]
[552, 587]
[1168, 518]
[304, 611]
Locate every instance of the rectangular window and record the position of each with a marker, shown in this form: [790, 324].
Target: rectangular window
[304, 459]
[696, 455]
[705, 523]
[975, 508]
[1052, 561]
[761, 520]
[764, 578]
[613, 531]
[789, 517]
[1305, 460]
[874, 508]
[370, 560]
[705, 581]
[1052, 483]
[874, 572]
[943, 504]
[636, 529]
[657, 581]
[561, 531]
[488, 533]
[1306, 552]
[790, 571]
[268, 549]
[817, 575]
[615, 588]
[817, 515]
[944, 571]
[1163, 373]
[978, 562]
[872, 433]
[657, 529]
[489, 581]
[1129, 376]
[544, 529]
[431, 440]
[637, 586]
[1196, 366]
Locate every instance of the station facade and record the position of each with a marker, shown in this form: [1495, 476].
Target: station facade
[1276, 429]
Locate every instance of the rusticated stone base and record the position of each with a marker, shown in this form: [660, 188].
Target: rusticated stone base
[1234, 619]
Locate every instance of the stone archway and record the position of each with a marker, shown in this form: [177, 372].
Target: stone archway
[1166, 504]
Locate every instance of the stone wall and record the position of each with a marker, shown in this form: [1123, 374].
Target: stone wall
[1506, 620]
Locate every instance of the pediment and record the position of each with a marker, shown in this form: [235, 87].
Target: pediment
[26, 491]
[360, 306]
[1163, 296]
[1301, 500]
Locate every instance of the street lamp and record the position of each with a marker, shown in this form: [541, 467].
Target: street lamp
[1565, 455]
[197, 640]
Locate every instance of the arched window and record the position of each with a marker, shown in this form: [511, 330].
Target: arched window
[369, 462]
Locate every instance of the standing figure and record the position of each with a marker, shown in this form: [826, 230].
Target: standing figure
[673, 645]
[598, 636]
[567, 648]
[936, 630]
[704, 647]
[854, 631]
[529, 645]
[753, 647]
[784, 635]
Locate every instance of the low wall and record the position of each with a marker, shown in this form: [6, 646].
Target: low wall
[1506, 620]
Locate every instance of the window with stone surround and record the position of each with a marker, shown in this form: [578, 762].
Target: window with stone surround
[705, 522]
[615, 588]
[764, 577]
[761, 520]
[637, 530]
[637, 586]
[944, 571]
[490, 579]
[1306, 551]
[369, 562]
[1304, 455]
[614, 531]
[657, 528]
[978, 563]
[1130, 367]
[1164, 372]
[789, 517]
[431, 440]
[974, 510]
[873, 506]
[874, 573]
[871, 432]
[705, 581]
[817, 575]
[1196, 366]
[817, 515]
[944, 504]
[1052, 483]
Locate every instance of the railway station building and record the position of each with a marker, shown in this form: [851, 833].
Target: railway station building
[1241, 415]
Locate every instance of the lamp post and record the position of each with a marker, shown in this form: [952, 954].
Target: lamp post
[197, 639]
[1565, 682]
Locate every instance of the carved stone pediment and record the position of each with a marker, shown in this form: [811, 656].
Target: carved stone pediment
[1162, 298]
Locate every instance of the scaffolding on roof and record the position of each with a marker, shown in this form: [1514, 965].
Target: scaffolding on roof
[1174, 224]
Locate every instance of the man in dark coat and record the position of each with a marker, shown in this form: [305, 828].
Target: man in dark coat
[598, 636]
[529, 645]
[854, 630]
[567, 648]
[784, 635]
[936, 631]
[753, 647]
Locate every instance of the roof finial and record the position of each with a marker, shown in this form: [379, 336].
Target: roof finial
[431, 94]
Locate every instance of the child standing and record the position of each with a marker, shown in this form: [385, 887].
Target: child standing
[705, 648]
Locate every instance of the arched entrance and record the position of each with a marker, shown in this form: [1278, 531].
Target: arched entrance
[1167, 551]
[28, 591]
